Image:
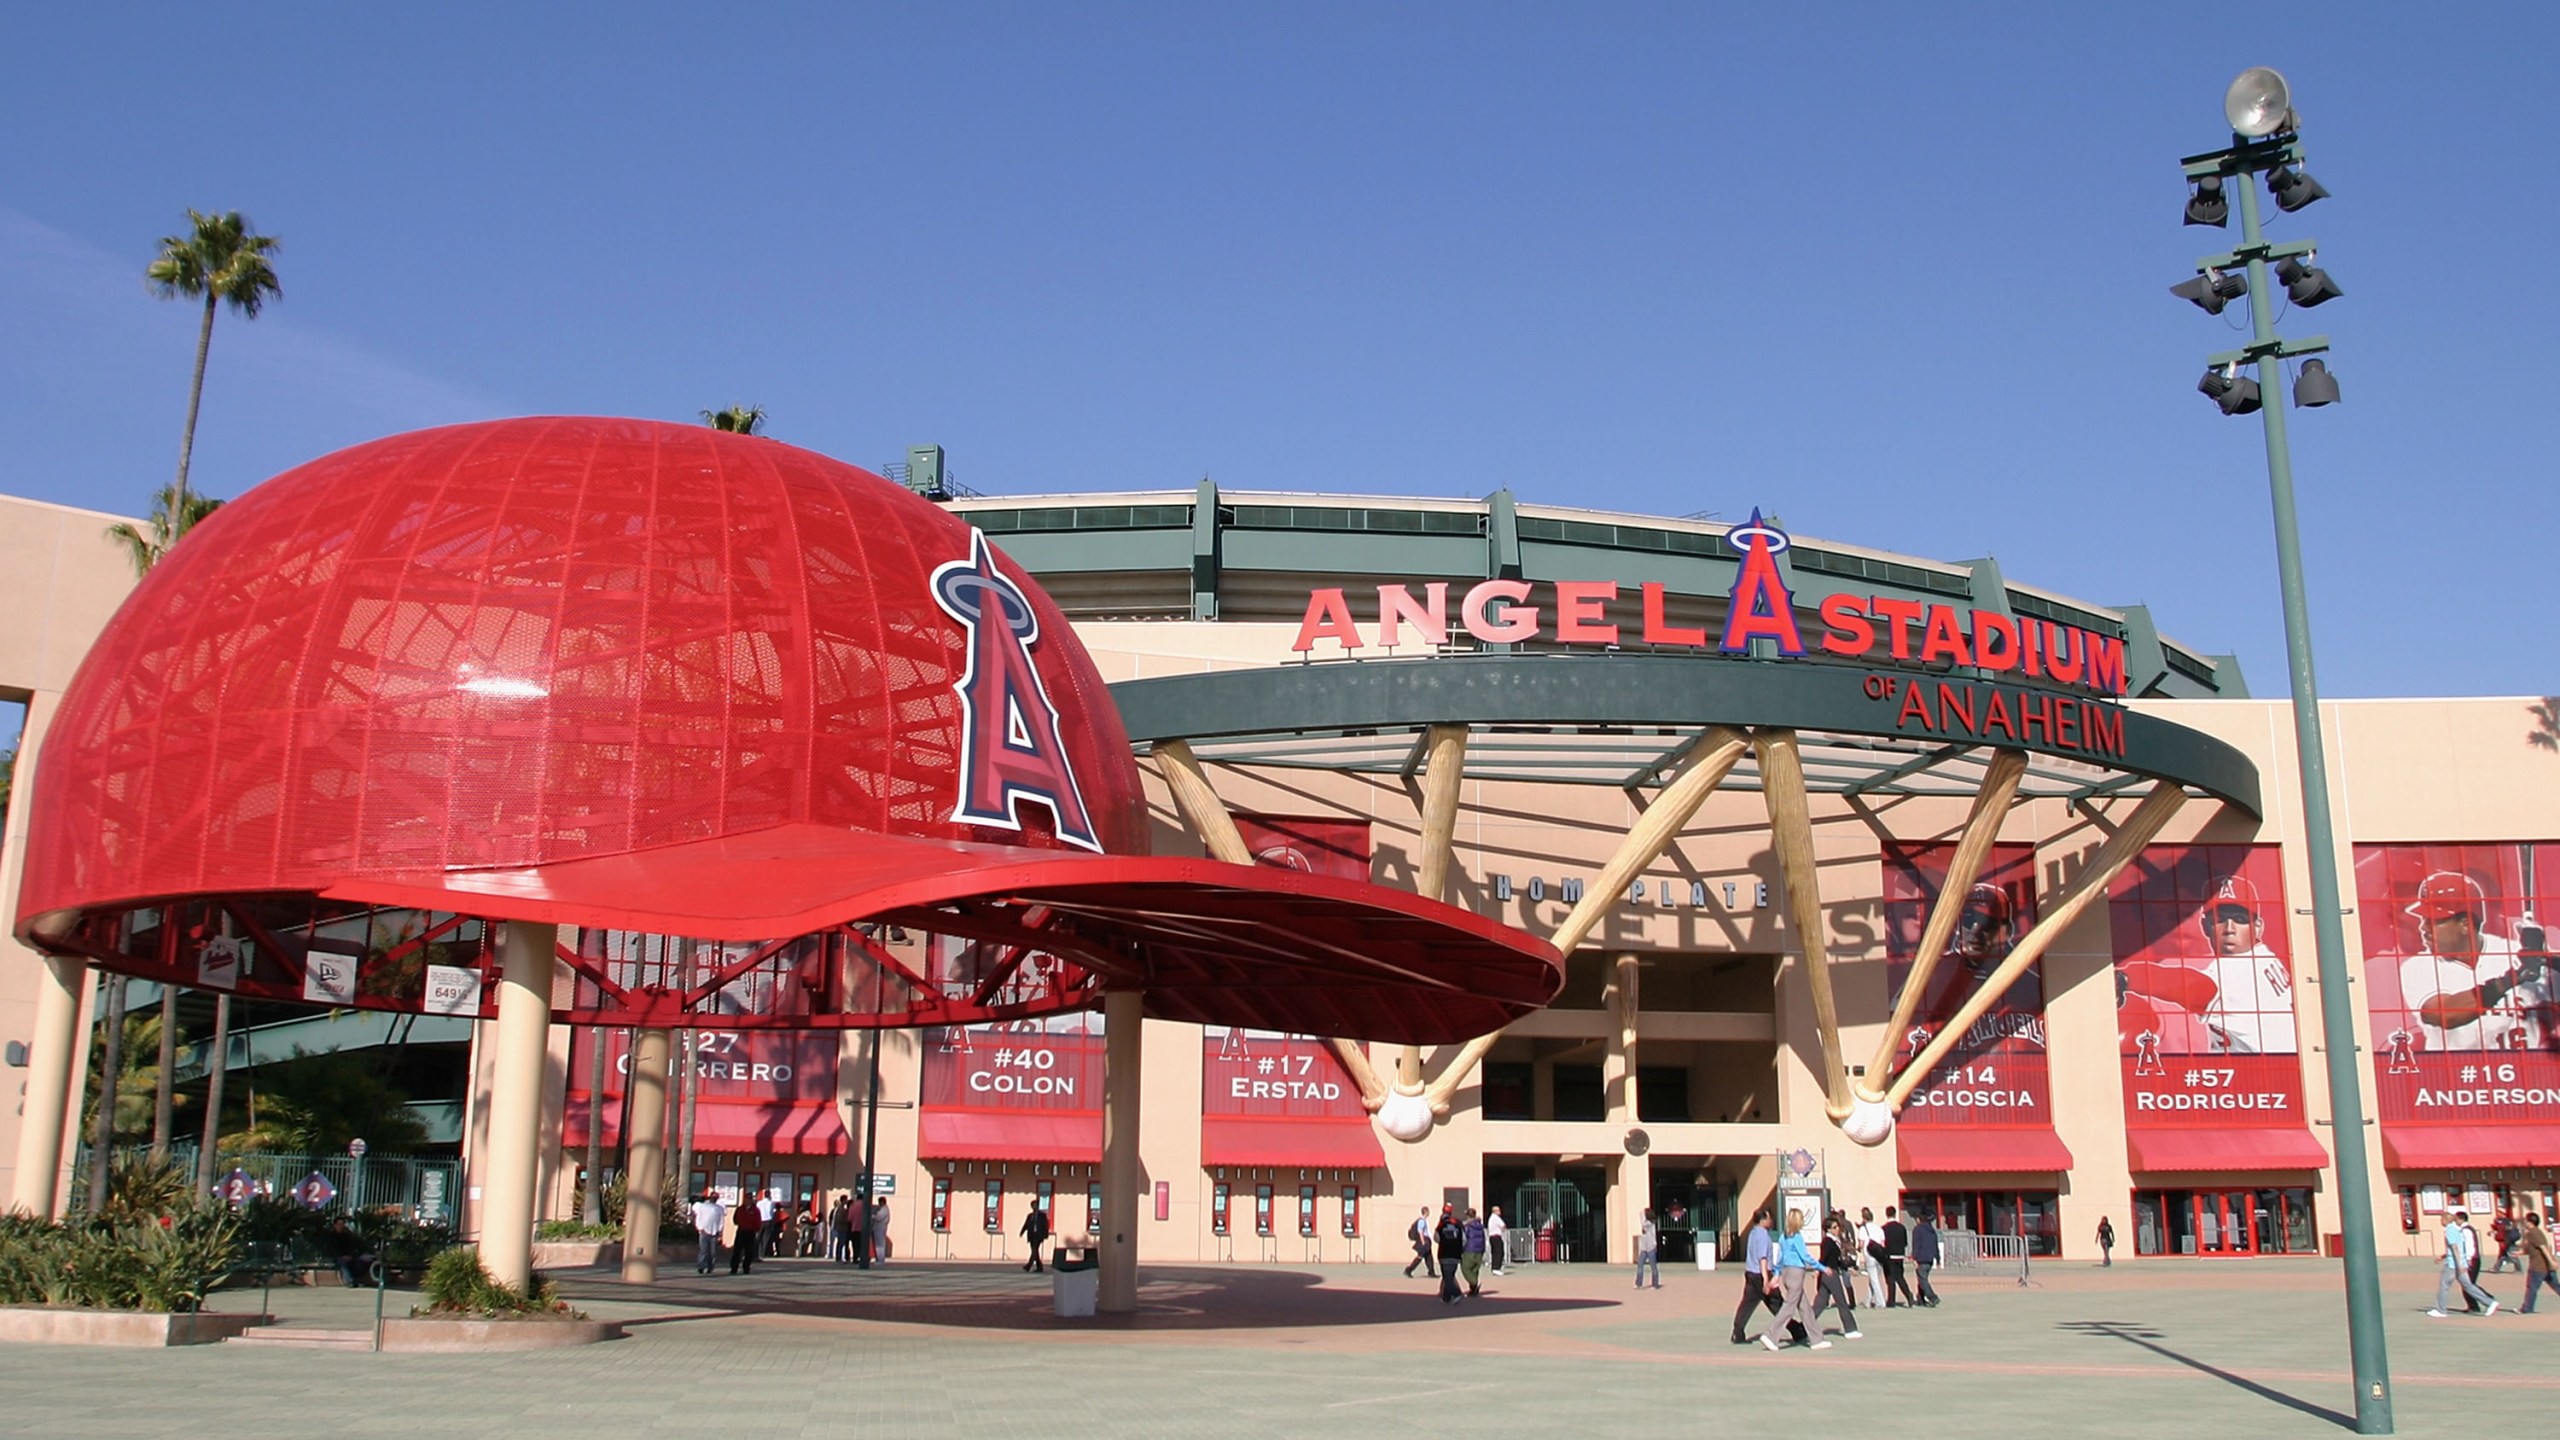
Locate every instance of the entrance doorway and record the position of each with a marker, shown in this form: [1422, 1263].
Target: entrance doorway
[1573, 1204]
[2224, 1223]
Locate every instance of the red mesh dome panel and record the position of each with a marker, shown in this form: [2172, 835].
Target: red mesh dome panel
[528, 641]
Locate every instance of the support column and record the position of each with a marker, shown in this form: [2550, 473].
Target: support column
[1618, 1085]
[59, 982]
[515, 1101]
[1124, 1014]
[1791, 831]
[645, 1145]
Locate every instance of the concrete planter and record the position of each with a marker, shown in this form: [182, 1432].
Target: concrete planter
[36, 1325]
[575, 1254]
[421, 1335]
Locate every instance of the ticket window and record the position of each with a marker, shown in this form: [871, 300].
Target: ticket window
[1221, 1196]
[942, 1204]
[995, 1207]
[1307, 1211]
[1350, 1212]
[1262, 1210]
[808, 1195]
[1046, 1197]
[1093, 1207]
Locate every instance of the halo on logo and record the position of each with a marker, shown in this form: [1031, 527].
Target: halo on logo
[1772, 540]
[960, 588]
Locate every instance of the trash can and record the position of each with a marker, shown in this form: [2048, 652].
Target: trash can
[1547, 1243]
[1707, 1242]
[1074, 1284]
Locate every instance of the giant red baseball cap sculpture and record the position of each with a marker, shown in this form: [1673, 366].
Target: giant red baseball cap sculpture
[658, 681]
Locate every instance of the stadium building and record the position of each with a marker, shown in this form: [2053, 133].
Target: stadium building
[1730, 770]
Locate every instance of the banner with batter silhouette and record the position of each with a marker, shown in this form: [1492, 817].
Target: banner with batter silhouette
[1999, 1075]
[2205, 1007]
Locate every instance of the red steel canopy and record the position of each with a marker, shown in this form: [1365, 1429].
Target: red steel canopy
[2169, 1151]
[790, 745]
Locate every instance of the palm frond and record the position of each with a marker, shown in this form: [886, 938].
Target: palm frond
[221, 255]
[2545, 734]
[147, 543]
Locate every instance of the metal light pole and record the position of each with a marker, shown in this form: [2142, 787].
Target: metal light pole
[2260, 111]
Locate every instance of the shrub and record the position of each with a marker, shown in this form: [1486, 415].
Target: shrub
[154, 1262]
[575, 1230]
[458, 1285]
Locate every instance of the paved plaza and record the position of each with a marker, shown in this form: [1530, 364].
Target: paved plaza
[957, 1349]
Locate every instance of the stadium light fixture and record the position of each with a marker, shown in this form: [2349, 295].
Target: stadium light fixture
[2306, 285]
[2259, 104]
[2225, 386]
[2207, 205]
[2294, 188]
[2212, 290]
[2316, 387]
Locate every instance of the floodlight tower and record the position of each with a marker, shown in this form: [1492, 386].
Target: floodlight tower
[2266, 140]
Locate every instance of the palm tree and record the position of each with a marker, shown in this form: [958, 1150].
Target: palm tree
[737, 419]
[2545, 733]
[147, 542]
[224, 261]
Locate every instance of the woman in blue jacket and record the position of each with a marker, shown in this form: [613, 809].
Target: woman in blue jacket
[1798, 1272]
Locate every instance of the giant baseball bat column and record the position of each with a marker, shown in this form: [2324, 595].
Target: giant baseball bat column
[1406, 1111]
[2137, 831]
[1720, 748]
[515, 1101]
[1218, 834]
[1791, 827]
[1990, 807]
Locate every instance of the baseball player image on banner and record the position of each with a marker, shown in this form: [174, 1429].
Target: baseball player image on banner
[2205, 1005]
[1998, 1076]
[2458, 972]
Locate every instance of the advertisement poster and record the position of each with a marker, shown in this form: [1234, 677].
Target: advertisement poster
[2205, 1013]
[2459, 981]
[1999, 1074]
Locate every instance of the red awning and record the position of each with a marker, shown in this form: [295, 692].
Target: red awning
[1981, 1149]
[2240, 1148]
[2469, 1147]
[769, 1130]
[1285, 1142]
[1067, 1136]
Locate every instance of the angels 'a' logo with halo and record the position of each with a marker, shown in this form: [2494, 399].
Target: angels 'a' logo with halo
[1011, 749]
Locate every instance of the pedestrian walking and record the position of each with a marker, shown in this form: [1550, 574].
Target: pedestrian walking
[1839, 1243]
[1473, 1253]
[769, 1226]
[1035, 1230]
[1897, 1244]
[2503, 1231]
[1648, 1252]
[1925, 1255]
[747, 1238]
[1761, 1288]
[1420, 1234]
[2461, 1252]
[1798, 1274]
[708, 1220]
[2538, 1265]
[1449, 1237]
[2106, 1242]
[879, 1224]
[1871, 1253]
[1494, 1236]
[840, 1230]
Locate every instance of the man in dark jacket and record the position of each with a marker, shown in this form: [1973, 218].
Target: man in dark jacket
[1035, 1228]
[1897, 1245]
[1925, 1254]
[1452, 1243]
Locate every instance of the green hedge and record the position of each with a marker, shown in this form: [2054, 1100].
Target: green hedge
[151, 1262]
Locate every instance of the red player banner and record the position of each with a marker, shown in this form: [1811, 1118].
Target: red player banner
[1264, 1074]
[2459, 982]
[2205, 1014]
[1049, 1064]
[759, 1079]
[1999, 1075]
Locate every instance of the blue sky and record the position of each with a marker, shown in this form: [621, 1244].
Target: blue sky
[1895, 273]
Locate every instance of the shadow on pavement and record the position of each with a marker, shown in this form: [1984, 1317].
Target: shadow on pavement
[2150, 1339]
[986, 1297]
